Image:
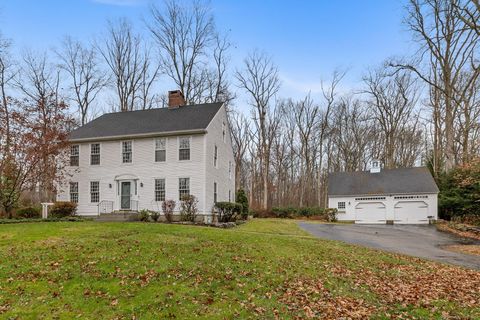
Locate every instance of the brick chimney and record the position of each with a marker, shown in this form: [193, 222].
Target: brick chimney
[175, 99]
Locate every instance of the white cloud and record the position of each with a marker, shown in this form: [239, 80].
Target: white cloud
[301, 86]
[298, 88]
[121, 2]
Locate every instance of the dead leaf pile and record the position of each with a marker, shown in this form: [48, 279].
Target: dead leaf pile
[450, 228]
[419, 285]
[308, 298]
[468, 249]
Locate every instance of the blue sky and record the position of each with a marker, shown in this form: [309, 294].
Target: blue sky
[307, 39]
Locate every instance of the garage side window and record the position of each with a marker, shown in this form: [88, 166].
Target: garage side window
[341, 205]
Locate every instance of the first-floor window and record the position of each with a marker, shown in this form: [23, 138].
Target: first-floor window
[159, 189]
[94, 191]
[126, 151]
[229, 195]
[214, 192]
[341, 205]
[74, 192]
[183, 187]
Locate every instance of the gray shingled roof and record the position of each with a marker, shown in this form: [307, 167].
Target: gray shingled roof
[387, 181]
[144, 122]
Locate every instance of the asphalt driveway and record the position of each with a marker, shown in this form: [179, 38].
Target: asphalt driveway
[415, 240]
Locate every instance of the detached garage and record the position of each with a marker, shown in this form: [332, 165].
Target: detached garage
[380, 196]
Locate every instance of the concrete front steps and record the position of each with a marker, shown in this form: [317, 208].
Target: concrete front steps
[119, 216]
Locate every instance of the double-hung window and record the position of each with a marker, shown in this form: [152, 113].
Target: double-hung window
[215, 156]
[160, 149]
[74, 155]
[95, 154]
[214, 192]
[126, 151]
[341, 205]
[74, 192]
[230, 169]
[159, 189]
[183, 187]
[94, 191]
[184, 148]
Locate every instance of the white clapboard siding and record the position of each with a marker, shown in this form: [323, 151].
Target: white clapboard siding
[199, 169]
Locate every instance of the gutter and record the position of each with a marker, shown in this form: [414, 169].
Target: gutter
[382, 194]
[141, 135]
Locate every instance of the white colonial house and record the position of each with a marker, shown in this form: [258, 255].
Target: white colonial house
[128, 161]
[392, 196]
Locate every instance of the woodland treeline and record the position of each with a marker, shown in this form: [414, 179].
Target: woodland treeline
[417, 110]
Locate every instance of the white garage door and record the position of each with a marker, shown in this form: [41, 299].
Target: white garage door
[411, 212]
[370, 212]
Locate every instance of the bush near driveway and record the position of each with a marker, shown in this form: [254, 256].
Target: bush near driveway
[460, 191]
[329, 214]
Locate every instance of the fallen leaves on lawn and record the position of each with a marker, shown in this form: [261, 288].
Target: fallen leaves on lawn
[4, 308]
[393, 285]
[419, 285]
[308, 298]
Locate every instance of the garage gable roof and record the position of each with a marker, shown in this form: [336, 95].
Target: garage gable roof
[387, 181]
[143, 122]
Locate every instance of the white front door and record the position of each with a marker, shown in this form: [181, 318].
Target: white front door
[125, 195]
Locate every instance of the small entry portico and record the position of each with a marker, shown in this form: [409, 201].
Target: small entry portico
[127, 192]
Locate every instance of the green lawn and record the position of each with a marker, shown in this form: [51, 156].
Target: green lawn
[264, 269]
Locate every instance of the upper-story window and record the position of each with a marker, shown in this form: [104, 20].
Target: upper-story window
[160, 149]
[230, 169]
[215, 156]
[74, 192]
[224, 132]
[126, 151]
[74, 155]
[184, 148]
[95, 154]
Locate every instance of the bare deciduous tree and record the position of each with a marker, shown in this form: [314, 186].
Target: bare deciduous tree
[469, 13]
[86, 77]
[192, 52]
[392, 99]
[130, 64]
[259, 79]
[240, 129]
[449, 47]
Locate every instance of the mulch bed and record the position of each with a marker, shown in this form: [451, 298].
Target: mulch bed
[461, 230]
